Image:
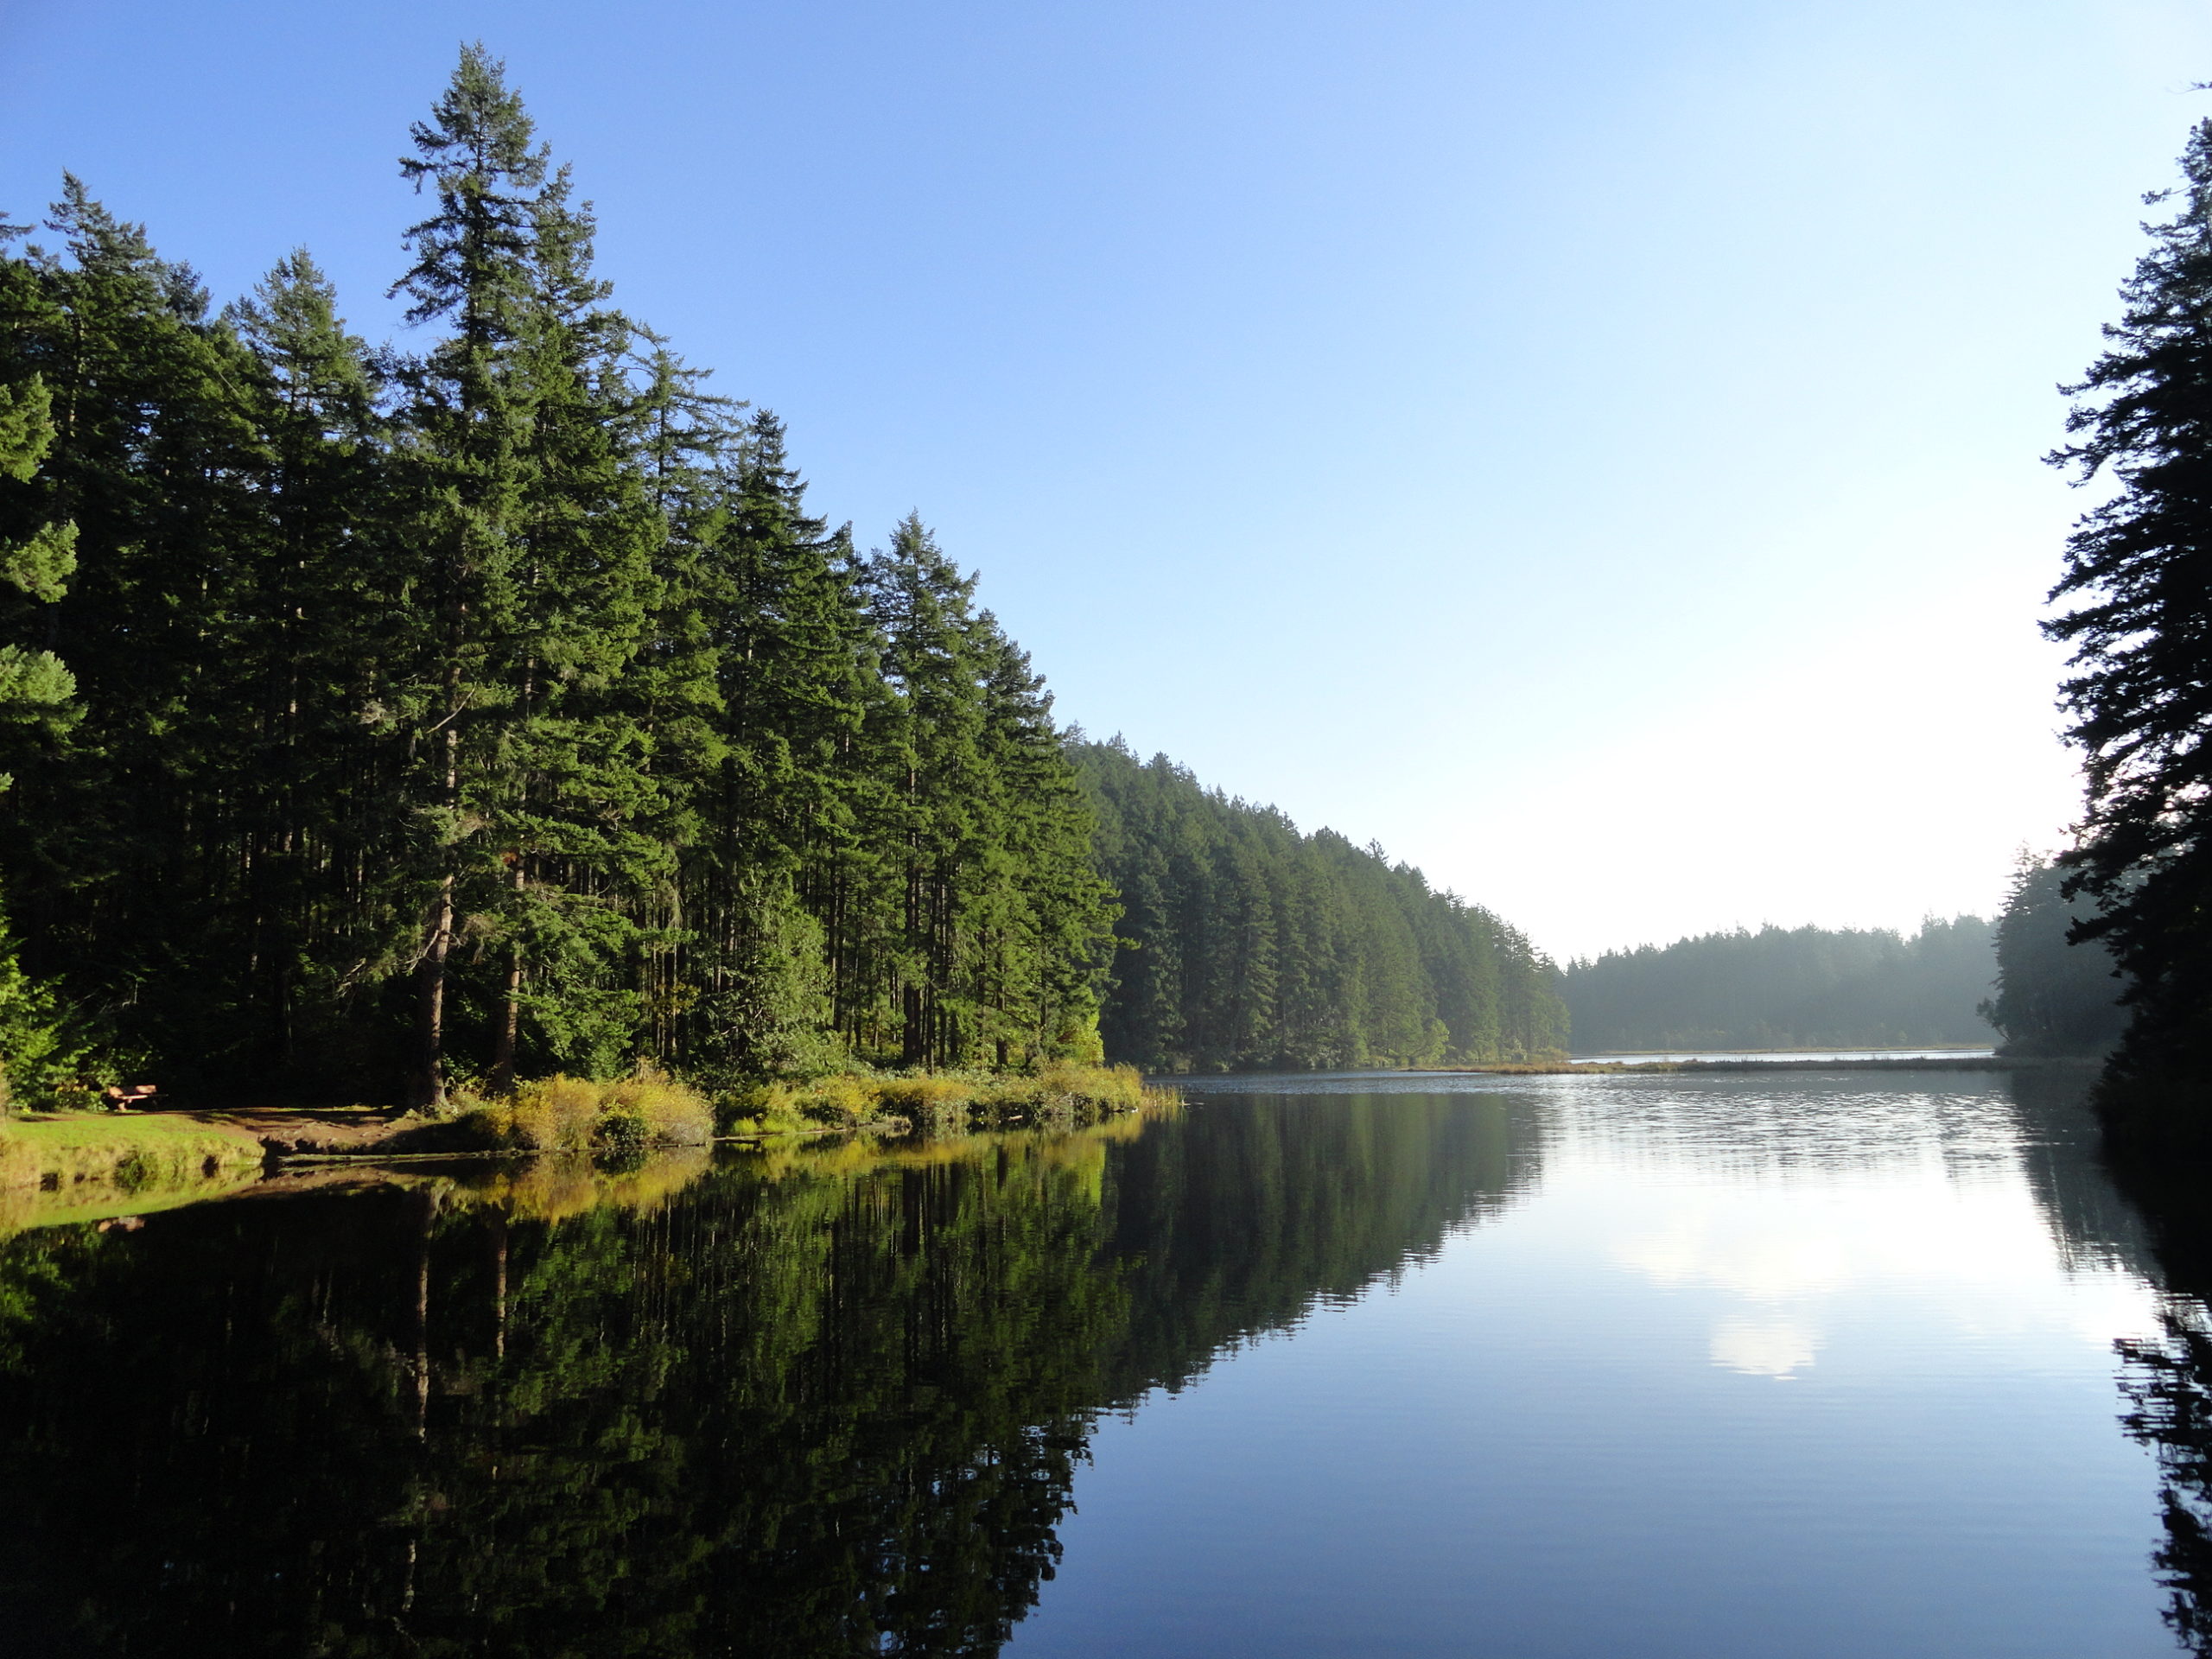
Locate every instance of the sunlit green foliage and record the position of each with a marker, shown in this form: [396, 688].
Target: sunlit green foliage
[565, 1114]
[1247, 944]
[494, 708]
[1063, 1091]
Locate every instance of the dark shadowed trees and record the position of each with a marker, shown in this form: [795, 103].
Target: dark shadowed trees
[2139, 575]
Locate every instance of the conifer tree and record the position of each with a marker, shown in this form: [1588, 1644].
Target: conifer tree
[505, 707]
[317, 790]
[538, 577]
[795, 680]
[2139, 570]
[37, 557]
[125, 871]
[469, 415]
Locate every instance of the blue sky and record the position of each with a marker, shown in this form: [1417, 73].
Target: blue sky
[1591, 448]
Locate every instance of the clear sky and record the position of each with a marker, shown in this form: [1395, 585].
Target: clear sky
[1590, 448]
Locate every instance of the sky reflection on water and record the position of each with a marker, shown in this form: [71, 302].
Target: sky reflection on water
[1751, 1366]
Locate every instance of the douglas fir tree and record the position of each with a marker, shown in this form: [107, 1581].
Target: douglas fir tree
[2139, 567]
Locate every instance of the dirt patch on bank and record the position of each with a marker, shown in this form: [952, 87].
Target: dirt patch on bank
[310, 1130]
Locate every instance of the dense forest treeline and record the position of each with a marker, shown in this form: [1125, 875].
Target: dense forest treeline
[1788, 987]
[2022, 980]
[384, 719]
[1248, 945]
[498, 706]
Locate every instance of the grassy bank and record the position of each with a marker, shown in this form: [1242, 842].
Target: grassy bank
[55, 1166]
[1064, 1093]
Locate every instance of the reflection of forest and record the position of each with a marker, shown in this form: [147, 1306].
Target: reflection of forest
[2150, 1219]
[2168, 1385]
[826, 1403]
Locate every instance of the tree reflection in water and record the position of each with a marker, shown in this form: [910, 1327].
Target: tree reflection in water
[2150, 1220]
[2165, 1383]
[810, 1404]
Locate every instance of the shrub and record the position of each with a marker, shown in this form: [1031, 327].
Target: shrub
[556, 1113]
[1114, 1088]
[916, 1097]
[839, 1102]
[50, 1055]
[1061, 1090]
[565, 1114]
[758, 1107]
[668, 1112]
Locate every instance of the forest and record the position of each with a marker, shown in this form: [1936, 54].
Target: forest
[1248, 945]
[2022, 981]
[494, 707]
[2054, 996]
[1788, 987]
[395, 720]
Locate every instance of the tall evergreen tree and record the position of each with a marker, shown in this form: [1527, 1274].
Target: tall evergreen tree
[535, 578]
[2139, 570]
[318, 796]
[2053, 996]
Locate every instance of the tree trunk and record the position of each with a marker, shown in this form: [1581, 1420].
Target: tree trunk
[429, 1084]
[428, 1089]
[503, 1046]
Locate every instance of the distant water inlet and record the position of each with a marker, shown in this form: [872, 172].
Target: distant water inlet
[1814, 1363]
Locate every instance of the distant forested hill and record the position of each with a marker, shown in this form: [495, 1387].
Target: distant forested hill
[1788, 987]
[1248, 945]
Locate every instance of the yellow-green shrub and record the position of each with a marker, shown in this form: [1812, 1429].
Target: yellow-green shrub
[565, 1114]
[673, 1114]
[1114, 1087]
[941, 1101]
[839, 1101]
[912, 1096]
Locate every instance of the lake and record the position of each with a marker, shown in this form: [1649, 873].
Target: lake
[1811, 1364]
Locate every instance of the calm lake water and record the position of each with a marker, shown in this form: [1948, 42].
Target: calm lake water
[1820, 1364]
[1649, 1056]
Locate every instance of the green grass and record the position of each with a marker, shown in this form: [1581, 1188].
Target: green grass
[83, 1165]
[130, 1149]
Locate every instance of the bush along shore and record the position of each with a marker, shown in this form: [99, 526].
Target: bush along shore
[132, 1152]
[650, 1110]
[1060, 1093]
